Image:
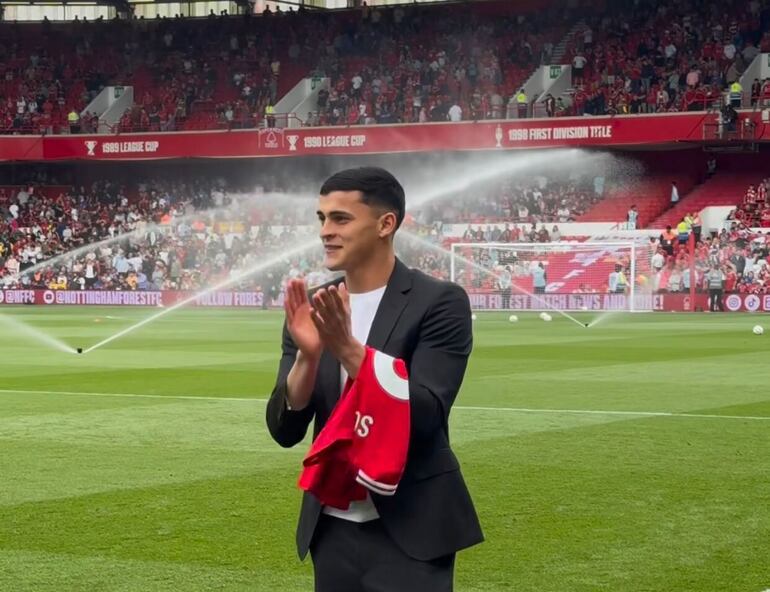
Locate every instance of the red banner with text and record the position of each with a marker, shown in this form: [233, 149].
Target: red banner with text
[580, 302]
[663, 129]
[138, 298]
[486, 300]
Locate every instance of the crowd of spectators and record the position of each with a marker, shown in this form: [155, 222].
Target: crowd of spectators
[734, 260]
[533, 200]
[407, 65]
[754, 209]
[737, 254]
[185, 232]
[191, 232]
[185, 73]
[155, 235]
[652, 57]
[386, 65]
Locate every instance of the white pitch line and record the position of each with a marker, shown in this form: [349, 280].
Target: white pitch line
[600, 412]
[138, 395]
[461, 407]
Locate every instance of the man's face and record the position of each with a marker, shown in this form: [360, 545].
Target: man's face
[350, 229]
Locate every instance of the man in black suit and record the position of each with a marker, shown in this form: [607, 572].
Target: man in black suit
[406, 542]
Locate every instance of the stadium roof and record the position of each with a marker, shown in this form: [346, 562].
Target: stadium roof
[68, 10]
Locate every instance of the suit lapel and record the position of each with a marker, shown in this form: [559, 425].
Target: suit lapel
[391, 306]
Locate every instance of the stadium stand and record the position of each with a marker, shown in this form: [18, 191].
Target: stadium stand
[185, 233]
[387, 65]
[395, 65]
[652, 57]
[753, 208]
[651, 195]
[723, 189]
[212, 73]
[418, 66]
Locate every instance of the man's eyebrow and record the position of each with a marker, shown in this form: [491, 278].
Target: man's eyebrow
[336, 213]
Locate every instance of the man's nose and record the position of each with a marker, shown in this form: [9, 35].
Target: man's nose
[326, 230]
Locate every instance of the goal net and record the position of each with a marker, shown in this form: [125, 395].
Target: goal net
[565, 275]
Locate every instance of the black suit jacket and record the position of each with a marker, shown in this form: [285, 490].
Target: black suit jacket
[427, 323]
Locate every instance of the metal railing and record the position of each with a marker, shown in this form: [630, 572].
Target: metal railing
[741, 130]
[281, 120]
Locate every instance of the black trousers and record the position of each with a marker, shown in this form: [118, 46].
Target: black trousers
[361, 557]
[715, 300]
[506, 294]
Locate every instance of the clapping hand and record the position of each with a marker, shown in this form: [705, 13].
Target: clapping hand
[299, 320]
[330, 313]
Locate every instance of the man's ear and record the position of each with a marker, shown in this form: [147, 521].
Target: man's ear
[387, 224]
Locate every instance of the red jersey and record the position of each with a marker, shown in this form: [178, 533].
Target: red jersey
[365, 441]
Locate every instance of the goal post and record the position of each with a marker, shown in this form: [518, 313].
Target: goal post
[564, 275]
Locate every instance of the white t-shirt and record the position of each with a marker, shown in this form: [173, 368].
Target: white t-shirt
[658, 261]
[674, 194]
[363, 307]
[504, 280]
[455, 113]
[12, 265]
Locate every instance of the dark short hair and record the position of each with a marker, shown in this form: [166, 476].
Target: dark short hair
[378, 187]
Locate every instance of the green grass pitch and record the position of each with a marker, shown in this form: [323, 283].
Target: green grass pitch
[632, 456]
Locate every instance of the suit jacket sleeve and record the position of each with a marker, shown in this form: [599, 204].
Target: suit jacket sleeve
[287, 427]
[438, 363]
